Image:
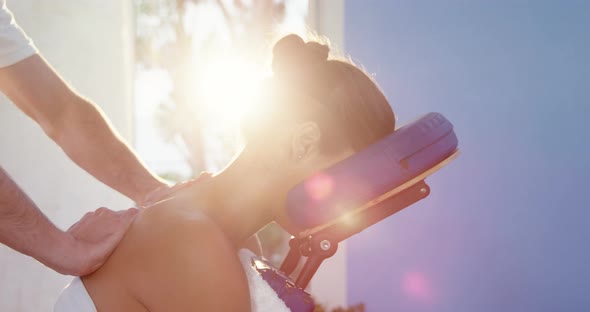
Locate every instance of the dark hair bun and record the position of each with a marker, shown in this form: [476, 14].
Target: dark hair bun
[292, 53]
[347, 104]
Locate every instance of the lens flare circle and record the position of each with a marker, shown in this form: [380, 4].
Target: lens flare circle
[416, 285]
[319, 187]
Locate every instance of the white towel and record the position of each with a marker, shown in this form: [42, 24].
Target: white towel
[262, 297]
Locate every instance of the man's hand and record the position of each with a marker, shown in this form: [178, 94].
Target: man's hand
[93, 239]
[79, 251]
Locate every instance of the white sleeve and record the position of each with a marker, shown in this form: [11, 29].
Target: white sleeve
[15, 46]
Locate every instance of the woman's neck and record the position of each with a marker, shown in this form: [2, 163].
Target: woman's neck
[240, 199]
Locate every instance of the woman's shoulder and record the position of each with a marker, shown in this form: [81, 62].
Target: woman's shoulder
[184, 253]
[175, 209]
[174, 219]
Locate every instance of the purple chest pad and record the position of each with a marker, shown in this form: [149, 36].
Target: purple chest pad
[295, 298]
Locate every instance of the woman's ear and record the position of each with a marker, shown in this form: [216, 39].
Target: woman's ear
[306, 141]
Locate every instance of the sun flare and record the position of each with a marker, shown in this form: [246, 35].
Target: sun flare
[225, 89]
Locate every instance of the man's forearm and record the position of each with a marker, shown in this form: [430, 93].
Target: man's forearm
[87, 137]
[24, 228]
[77, 125]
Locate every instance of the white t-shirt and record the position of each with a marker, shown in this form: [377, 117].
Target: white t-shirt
[15, 46]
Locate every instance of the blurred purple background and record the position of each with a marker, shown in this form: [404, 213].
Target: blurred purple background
[506, 227]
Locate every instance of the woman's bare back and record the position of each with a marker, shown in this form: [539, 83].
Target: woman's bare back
[172, 258]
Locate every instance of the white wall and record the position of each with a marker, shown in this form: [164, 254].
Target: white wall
[89, 42]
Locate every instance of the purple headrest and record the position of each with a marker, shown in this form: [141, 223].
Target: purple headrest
[381, 167]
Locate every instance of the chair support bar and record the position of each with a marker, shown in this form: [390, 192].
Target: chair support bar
[323, 244]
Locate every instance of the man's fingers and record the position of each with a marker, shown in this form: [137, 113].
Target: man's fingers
[98, 233]
[94, 226]
[102, 210]
[131, 211]
[127, 217]
[103, 248]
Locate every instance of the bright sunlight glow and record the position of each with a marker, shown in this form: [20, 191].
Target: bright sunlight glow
[225, 90]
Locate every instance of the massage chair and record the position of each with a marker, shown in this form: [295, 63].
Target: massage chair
[354, 194]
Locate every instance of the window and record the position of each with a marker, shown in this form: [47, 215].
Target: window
[196, 62]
